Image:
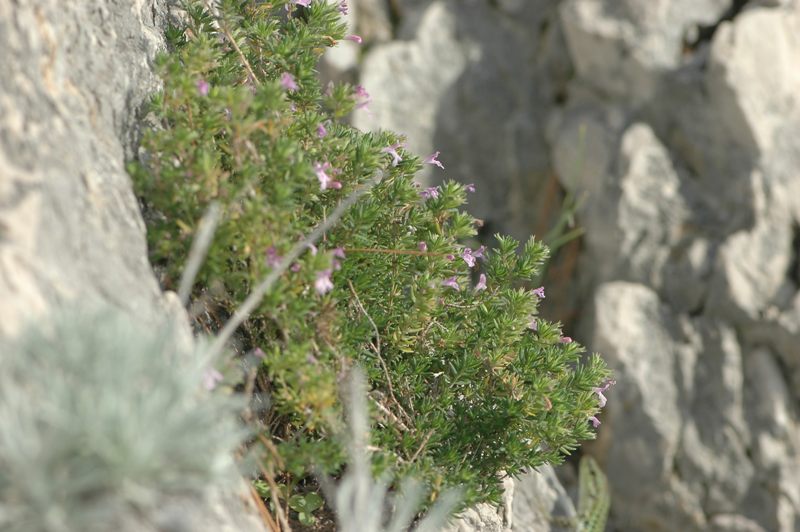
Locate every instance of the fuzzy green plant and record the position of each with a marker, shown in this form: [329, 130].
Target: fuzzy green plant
[466, 382]
[101, 417]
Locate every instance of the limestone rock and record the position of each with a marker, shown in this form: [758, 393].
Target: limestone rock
[476, 82]
[621, 48]
[541, 503]
[74, 76]
[641, 341]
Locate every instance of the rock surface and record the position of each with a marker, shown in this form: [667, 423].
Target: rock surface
[74, 75]
[676, 121]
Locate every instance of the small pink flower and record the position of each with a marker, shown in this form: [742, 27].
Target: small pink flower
[296, 267]
[321, 131]
[288, 82]
[565, 340]
[470, 187]
[599, 391]
[481, 283]
[326, 181]
[202, 87]
[338, 253]
[361, 93]
[430, 193]
[211, 377]
[595, 421]
[468, 258]
[533, 325]
[259, 353]
[422, 246]
[478, 253]
[432, 159]
[539, 292]
[273, 259]
[355, 38]
[343, 7]
[451, 282]
[312, 248]
[450, 257]
[323, 284]
[392, 150]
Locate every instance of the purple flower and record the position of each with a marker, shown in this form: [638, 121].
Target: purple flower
[469, 188]
[539, 292]
[392, 150]
[326, 181]
[259, 353]
[599, 392]
[321, 131]
[273, 259]
[450, 257]
[355, 38]
[361, 92]
[338, 253]
[422, 246]
[481, 283]
[451, 282]
[202, 87]
[432, 159]
[595, 421]
[343, 7]
[478, 253]
[211, 377]
[323, 283]
[287, 80]
[430, 192]
[296, 267]
[533, 325]
[468, 258]
[565, 340]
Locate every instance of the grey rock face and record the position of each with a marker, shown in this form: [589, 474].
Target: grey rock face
[677, 122]
[504, 63]
[74, 75]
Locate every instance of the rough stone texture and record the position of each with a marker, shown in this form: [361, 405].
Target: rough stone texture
[677, 121]
[505, 63]
[541, 503]
[74, 75]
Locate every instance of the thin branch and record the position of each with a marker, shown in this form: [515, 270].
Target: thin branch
[262, 509]
[422, 446]
[198, 251]
[244, 60]
[258, 293]
[273, 493]
[389, 414]
[395, 252]
[378, 352]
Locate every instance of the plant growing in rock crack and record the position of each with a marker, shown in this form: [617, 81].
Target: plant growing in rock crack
[466, 382]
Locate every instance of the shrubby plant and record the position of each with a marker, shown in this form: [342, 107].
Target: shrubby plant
[466, 381]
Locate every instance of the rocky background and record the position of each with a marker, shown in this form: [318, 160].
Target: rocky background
[677, 123]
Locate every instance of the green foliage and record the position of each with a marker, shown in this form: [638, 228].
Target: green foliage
[462, 388]
[101, 418]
